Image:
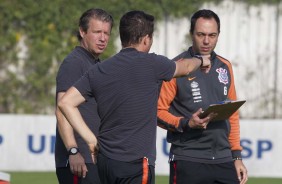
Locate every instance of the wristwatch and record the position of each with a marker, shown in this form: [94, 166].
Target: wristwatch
[237, 158]
[73, 151]
[201, 58]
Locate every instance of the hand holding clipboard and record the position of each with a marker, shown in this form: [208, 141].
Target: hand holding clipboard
[223, 110]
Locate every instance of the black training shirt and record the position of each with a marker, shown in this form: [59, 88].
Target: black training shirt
[126, 88]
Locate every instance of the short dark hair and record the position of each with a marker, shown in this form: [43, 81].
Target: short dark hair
[134, 25]
[207, 14]
[93, 13]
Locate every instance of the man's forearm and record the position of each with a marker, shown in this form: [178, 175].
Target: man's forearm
[68, 105]
[65, 130]
[76, 121]
[187, 66]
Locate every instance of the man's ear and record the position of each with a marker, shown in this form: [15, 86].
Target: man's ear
[143, 41]
[81, 32]
[147, 40]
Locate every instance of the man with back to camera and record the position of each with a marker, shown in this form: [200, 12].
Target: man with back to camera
[73, 160]
[126, 88]
[202, 153]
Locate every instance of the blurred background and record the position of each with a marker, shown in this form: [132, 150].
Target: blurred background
[37, 35]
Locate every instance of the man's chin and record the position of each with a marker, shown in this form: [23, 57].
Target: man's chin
[100, 51]
[204, 53]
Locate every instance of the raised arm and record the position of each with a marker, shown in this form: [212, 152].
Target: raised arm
[186, 66]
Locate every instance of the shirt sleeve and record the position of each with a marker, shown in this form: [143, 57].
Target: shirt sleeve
[164, 68]
[70, 71]
[83, 85]
[234, 136]
[166, 120]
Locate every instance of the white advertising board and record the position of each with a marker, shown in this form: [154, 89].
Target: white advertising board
[27, 143]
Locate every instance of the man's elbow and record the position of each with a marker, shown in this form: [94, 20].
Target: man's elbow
[182, 68]
[62, 104]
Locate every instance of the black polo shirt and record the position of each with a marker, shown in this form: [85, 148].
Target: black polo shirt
[72, 69]
[126, 88]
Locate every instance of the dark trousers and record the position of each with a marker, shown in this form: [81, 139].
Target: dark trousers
[118, 172]
[185, 172]
[65, 175]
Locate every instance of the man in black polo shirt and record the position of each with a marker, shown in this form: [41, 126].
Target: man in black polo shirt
[126, 88]
[73, 159]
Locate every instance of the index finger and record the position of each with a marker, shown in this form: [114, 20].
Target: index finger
[244, 177]
[84, 171]
[212, 115]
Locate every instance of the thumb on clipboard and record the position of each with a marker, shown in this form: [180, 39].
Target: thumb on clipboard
[200, 123]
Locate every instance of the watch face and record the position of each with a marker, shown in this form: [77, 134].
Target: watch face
[73, 151]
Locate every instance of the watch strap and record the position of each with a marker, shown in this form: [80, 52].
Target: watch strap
[73, 151]
[200, 58]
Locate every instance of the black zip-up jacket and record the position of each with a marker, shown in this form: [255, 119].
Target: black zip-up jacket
[181, 97]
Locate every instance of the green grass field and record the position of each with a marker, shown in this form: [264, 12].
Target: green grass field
[50, 178]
